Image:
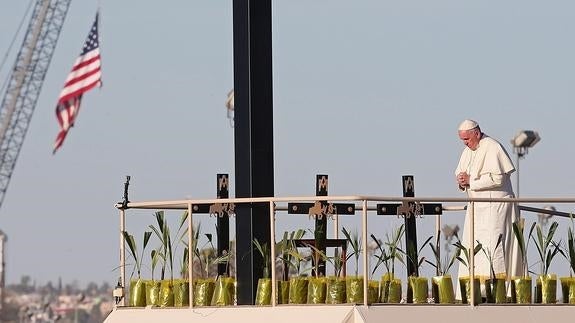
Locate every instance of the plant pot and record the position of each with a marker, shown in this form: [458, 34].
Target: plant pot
[568, 289]
[522, 287]
[316, 290]
[394, 294]
[152, 292]
[335, 291]
[354, 290]
[181, 292]
[166, 294]
[495, 291]
[203, 291]
[224, 292]
[442, 289]
[420, 288]
[548, 288]
[298, 290]
[373, 292]
[465, 289]
[282, 292]
[264, 291]
[137, 293]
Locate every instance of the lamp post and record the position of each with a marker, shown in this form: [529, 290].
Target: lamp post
[524, 140]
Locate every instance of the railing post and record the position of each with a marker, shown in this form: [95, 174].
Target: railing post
[123, 256]
[472, 253]
[190, 256]
[273, 252]
[364, 242]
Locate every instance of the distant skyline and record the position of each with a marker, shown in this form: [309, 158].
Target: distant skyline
[363, 91]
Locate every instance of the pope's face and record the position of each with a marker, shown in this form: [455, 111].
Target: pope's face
[470, 138]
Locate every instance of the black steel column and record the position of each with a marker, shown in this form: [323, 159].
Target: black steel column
[410, 235]
[223, 222]
[320, 233]
[253, 134]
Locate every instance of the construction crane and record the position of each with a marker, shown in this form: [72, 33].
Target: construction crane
[22, 92]
[25, 82]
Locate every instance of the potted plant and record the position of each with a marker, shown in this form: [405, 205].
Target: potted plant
[162, 232]
[418, 286]
[494, 286]
[354, 285]
[287, 263]
[391, 286]
[335, 285]
[568, 283]
[547, 249]
[442, 284]
[137, 286]
[465, 281]
[153, 285]
[264, 289]
[298, 284]
[521, 286]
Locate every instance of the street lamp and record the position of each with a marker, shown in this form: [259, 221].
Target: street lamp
[524, 140]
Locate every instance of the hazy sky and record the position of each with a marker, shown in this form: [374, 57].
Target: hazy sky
[364, 91]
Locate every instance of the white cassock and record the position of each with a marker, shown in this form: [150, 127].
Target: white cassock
[489, 168]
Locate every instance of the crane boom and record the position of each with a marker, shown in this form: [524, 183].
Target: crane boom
[26, 81]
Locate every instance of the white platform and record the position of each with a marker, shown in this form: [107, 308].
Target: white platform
[350, 314]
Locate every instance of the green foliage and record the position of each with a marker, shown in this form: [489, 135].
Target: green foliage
[132, 248]
[547, 249]
[355, 243]
[569, 252]
[490, 253]
[265, 252]
[390, 251]
[466, 257]
[412, 255]
[522, 243]
[287, 250]
[168, 247]
[442, 267]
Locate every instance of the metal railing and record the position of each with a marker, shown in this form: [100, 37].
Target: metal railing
[364, 203]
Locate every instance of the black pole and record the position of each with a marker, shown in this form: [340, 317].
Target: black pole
[253, 135]
[320, 233]
[410, 235]
[223, 222]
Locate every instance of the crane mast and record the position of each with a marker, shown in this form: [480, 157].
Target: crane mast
[25, 83]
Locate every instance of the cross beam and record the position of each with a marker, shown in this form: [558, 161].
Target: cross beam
[409, 211]
[321, 210]
[222, 211]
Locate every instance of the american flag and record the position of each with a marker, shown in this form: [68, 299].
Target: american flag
[84, 76]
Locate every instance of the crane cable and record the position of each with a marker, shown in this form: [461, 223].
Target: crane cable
[4, 84]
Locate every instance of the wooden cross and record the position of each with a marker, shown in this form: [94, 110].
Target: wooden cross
[222, 211]
[321, 210]
[410, 211]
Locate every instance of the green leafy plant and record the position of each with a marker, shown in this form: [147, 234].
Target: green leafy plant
[389, 252]
[569, 251]
[285, 249]
[490, 253]
[547, 249]
[465, 251]
[208, 256]
[336, 260]
[355, 243]
[412, 255]
[167, 247]
[442, 266]
[264, 251]
[132, 248]
[522, 243]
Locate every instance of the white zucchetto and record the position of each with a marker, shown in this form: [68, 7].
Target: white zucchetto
[467, 125]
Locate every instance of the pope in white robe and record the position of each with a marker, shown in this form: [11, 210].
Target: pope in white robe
[484, 171]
